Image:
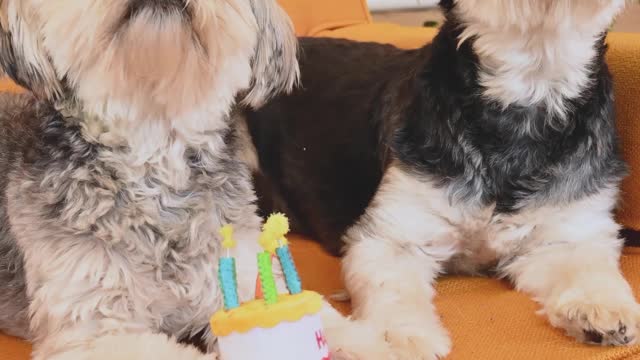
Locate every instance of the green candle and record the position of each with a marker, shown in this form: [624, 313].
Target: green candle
[267, 280]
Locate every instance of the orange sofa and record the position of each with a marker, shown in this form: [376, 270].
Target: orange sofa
[486, 318]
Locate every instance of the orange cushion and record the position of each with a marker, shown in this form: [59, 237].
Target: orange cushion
[624, 59]
[6, 85]
[401, 36]
[311, 16]
[13, 349]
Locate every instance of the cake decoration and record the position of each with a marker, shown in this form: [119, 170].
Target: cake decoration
[272, 326]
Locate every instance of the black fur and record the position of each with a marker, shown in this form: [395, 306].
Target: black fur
[480, 149]
[323, 167]
[159, 9]
[134, 7]
[324, 148]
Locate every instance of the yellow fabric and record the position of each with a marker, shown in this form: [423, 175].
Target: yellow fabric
[258, 314]
[311, 16]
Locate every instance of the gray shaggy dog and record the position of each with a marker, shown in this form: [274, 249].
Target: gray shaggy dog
[119, 167]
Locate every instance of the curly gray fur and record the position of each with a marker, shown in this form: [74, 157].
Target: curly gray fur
[132, 254]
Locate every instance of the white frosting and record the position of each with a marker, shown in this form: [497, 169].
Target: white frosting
[300, 340]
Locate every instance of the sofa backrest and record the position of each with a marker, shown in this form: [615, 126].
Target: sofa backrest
[313, 16]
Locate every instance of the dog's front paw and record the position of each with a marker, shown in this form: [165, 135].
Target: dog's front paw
[424, 341]
[356, 340]
[363, 340]
[411, 336]
[603, 318]
[366, 340]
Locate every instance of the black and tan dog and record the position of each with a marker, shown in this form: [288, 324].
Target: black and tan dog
[491, 149]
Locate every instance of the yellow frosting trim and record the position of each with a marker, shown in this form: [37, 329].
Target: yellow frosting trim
[257, 314]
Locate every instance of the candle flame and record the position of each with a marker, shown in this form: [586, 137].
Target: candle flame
[228, 241]
[274, 231]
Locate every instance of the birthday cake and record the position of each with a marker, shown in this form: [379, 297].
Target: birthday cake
[273, 326]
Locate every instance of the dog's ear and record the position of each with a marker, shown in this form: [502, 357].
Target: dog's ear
[275, 62]
[4, 18]
[22, 56]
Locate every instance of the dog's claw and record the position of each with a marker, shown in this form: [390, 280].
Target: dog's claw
[611, 337]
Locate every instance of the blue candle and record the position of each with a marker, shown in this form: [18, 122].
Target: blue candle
[289, 269]
[227, 277]
[227, 271]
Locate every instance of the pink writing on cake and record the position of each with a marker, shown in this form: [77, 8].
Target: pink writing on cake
[322, 342]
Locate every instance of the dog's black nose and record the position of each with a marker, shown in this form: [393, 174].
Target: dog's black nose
[157, 7]
[135, 6]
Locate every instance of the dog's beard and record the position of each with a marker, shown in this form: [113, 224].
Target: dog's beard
[535, 52]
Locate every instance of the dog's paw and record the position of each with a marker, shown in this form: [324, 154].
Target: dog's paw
[424, 341]
[356, 340]
[382, 338]
[363, 340]
[126, 346]
[603, 319]
[618, 336]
